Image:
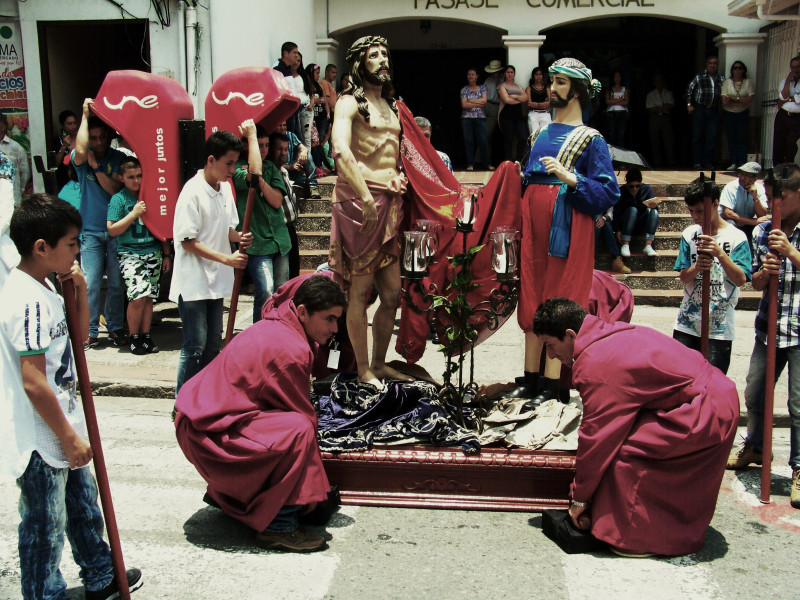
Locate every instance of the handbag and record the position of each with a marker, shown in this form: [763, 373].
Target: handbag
[557, 525]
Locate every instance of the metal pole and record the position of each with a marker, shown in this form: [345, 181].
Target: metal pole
[708, 190]
[772, 344]
[239, 273]
[71, 309]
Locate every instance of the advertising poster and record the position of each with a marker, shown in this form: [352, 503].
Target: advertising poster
[13, 92]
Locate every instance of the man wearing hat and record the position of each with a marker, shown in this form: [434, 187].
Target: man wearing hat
[569, 178]
[743, 202]
[494, 69]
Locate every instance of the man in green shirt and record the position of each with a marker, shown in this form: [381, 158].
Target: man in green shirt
[268, 261]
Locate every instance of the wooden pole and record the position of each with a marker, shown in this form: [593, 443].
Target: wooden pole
[772, 344]
[71, 308]
[708, 191]
[239, 273]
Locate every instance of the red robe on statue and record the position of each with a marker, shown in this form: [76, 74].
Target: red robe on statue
[247, 424]
[658, 425]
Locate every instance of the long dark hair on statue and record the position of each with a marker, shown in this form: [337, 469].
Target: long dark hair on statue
[355, 57]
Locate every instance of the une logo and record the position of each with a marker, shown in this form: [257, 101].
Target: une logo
[253, 99]
[150, 101]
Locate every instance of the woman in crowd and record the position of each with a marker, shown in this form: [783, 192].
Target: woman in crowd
[511, 119]
[617, 98]
[473, 120]
[538, 92]
[737, 95]
[299, 82]
[321, 115]
[637, 211]
[64, 143]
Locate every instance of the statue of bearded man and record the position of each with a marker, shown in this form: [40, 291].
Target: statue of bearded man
[367, 203]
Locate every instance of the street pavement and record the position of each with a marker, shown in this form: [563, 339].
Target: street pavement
[188, 550]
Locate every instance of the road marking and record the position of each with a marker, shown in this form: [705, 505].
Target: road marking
[607, 576]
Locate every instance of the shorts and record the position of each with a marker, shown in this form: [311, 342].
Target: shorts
[141, 273]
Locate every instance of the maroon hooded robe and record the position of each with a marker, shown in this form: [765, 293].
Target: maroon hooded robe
[247, 424]
[658, 425]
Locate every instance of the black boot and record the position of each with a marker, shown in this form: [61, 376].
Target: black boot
[529, 386]
[549, 391]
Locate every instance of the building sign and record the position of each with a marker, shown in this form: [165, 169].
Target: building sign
[13, 93]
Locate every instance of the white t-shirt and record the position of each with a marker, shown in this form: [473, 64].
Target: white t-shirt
[656, 99]
[205, 215]
[724, 294]
[745, 89]
[34, 321]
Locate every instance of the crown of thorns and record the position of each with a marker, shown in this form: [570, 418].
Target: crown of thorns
[363, 44]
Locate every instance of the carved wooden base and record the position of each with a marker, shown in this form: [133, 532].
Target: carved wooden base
[428, 477]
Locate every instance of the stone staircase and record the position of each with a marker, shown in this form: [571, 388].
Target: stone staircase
[652, 279]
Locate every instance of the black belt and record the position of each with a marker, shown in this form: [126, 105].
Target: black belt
[791, 114]
[539, 110]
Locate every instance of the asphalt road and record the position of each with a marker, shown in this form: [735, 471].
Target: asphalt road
[188, 550]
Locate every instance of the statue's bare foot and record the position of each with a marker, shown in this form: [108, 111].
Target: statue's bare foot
[369, 377]
[387, 372]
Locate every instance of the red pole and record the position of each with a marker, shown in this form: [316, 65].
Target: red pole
[239, 273]
[71, 308]
[772, 344]
[708, 188]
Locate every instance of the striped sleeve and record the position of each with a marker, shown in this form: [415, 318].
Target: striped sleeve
[29, 331]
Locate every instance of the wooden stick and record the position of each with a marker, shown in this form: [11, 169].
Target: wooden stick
[708, 190]
[71, 308]
[239, 273]
[772, 344]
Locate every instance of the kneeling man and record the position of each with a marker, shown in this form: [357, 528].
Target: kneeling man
[658, 424]
[247, 424]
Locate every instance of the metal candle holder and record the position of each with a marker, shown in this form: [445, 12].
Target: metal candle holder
[455, 315]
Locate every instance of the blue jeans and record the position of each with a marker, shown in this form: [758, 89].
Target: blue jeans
[736, 126]
[617, 123]
[475, 137]
[201, 321]
[607, 232]
[98, 257]
[704, 134]
[754, 396]
[268, 273]
[719, 351]
[634, 218]
[53, 501]
[287, 519]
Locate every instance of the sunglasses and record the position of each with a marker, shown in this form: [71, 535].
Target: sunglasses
[738, 68]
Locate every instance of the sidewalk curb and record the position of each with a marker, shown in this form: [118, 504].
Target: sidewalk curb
[146, 388]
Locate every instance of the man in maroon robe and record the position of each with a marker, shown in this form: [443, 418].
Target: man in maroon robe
[658, 424]
[247, 424]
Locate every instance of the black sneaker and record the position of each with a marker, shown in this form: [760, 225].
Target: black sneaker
[137, 345]
[111, 591]
[148, 345]
[119, 338]
[91, 342]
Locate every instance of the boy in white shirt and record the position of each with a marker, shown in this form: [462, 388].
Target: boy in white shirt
[725, 254]
[50, 432]
[205, 224]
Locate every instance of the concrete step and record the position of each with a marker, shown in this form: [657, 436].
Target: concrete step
[673, 221]
[308, 205]
[747, 301]
[314, 222]
[657, 280]
[637, 261]
[314, 240]
[311, 259]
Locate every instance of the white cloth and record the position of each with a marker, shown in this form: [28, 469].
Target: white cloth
[655, 99]
[793, 106]
[34, 321]
[740, 201]
[537, 120]
[16, 415]
[729, 89]
[296, 83]
[9, 257]
[617, 96]
[22, 165]
[205, 215]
